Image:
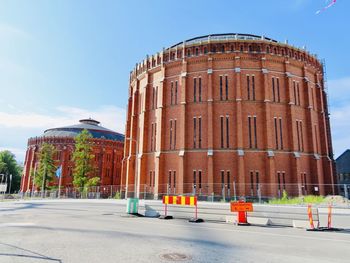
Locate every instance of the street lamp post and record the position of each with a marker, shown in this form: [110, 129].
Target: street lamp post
[136, 179]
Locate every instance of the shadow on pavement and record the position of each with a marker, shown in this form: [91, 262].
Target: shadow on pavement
[35, 255]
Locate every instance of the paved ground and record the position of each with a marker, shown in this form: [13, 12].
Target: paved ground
[92, 231]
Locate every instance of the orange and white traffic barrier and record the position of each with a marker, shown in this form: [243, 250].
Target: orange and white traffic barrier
[329, 223]
[309, 213]
[180, 200]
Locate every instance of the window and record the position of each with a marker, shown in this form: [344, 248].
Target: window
[252, 182]
[199, 132]
[174, 134]
[200, 89]
[248, 87]
[298, 92]
[197, 52]
[241, 48]
[153, 97]
[152, 137]
[200, 179]
[223, 49]
[281, 133]
[298, 135]
[174, 181]
[251, 87]
[169, 179]
[253, 189]
[221, 88]
[222, 131]
[276, 132]
[278, 90]
[194, 178]
[205, 50]
[171, 133]
[171, 93]
[252, 132]
[194, 89]
[155, 136]
[273, 90]
[194, 131]
[156, 102]
[222, 179]
[316, 139]
[176, 92]
[227, 132]
[281, 179]
[226, 87]
[150, 178]
[228, 179]
[255, 134]
[299, 126]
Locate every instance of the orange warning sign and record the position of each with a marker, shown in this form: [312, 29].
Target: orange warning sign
[241, 207]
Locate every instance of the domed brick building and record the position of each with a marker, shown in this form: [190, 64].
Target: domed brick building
[107, 147]
[228, 114]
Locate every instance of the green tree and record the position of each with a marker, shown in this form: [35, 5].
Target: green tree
[8, 167]
[83, 164]
[46, 168]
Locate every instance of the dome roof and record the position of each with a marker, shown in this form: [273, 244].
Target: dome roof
[91, 125]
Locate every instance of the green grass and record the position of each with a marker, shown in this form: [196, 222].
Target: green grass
[308, 199]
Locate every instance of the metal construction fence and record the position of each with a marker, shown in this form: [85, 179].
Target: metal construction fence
[204, 192]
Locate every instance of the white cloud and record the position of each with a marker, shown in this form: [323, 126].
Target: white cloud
[110, 116]
[24, 125]
[18, 152]
[7, 31]
[339, 96]
[338, 91]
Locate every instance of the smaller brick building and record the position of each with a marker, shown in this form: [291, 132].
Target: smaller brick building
[107, 148]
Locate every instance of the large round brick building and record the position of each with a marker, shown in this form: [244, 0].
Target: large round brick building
[107, 148]
[228, 114]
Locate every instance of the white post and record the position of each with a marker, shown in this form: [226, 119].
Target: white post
[59, 185]
[234, 190]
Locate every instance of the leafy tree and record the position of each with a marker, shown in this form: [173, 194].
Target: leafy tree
[46, 169]
[83, 165]
[8, 166]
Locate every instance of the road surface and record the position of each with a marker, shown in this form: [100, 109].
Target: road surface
[98, 231]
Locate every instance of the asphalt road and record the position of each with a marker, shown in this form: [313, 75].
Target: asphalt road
[98, 231]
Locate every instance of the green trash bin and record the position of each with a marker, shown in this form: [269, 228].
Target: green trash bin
[132, 205]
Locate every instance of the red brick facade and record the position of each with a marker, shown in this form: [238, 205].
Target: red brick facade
[223, 109]
[107, 161]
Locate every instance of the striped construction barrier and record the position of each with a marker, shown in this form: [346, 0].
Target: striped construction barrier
[183, 201]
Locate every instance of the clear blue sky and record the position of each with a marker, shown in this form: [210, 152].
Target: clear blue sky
[62, 60]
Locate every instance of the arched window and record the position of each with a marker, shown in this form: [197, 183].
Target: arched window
[223, 49]
[231, 48]
[258, 49]
[205, 50]
[197, 52]
[213, 49]
[275, 51]
[188, 52]
[282, 52]
[268, 50]
[241, 48]
[250, 48]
